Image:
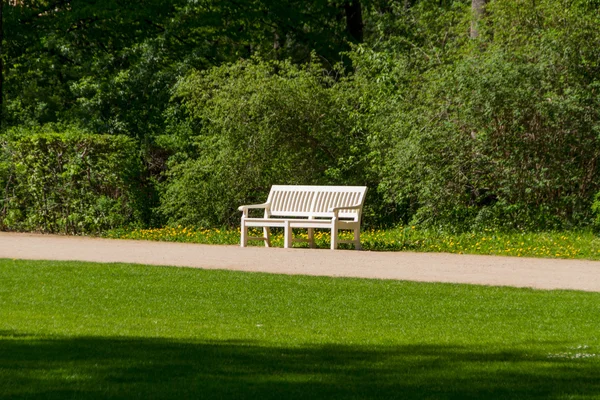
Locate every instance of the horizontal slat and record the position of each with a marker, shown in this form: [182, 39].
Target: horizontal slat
[266, 222]
[294, 220]
[318, 188]
[288, 213]
[309, 223]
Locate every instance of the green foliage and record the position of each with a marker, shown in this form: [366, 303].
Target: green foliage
[451, 132]
[502, 131]
[250, 125]
[110, 65]
[68, 182]
[596, 211]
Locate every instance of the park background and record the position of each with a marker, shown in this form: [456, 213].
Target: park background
[473, 123]
[459, 116]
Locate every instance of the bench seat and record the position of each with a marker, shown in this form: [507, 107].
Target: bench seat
[295, 223]
[307, 207]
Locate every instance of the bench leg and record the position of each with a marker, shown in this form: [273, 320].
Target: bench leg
[334, 237]
[244, 238]
[267, 236]
[287, 235]
[311, 238]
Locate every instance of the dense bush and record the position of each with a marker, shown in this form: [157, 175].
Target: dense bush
[250, 125]
[502, 131]
[68, 182]
[499, 131]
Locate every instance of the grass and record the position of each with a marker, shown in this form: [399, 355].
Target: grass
[570, 245]
[84, 330]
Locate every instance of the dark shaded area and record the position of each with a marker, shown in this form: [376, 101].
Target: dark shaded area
[97, 367]
[354, 21]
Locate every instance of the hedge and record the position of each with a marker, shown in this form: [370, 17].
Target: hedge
[71, 183]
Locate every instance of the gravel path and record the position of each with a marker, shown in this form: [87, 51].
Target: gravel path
[425, 267]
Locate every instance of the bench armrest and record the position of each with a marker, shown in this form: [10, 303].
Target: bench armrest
[245, 209]
[336, 210]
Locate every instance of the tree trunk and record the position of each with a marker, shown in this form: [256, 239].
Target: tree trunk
[478, 10]
[354, 21]
[276, 44]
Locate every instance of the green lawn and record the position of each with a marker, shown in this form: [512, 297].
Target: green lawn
[83, 330]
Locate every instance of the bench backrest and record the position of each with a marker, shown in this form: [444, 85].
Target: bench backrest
[315, 201]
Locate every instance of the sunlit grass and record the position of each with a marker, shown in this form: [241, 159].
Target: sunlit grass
[95, 331]
[582, 245]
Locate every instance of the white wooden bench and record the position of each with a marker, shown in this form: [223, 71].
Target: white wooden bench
[307, 207]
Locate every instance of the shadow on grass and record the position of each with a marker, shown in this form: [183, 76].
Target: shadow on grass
[96, 367]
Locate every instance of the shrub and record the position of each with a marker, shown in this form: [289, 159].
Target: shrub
[250, 125]
[501, 131]
[68, 182]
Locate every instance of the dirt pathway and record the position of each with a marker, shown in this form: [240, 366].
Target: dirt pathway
[424, 267]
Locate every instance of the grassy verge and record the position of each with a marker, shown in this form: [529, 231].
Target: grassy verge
[583, 245]
[82, 330]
